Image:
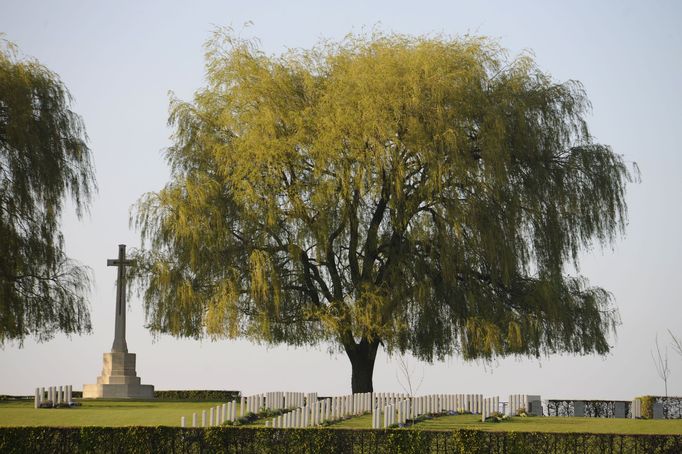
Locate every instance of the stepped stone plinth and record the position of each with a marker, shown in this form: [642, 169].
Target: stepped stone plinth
[119, 380]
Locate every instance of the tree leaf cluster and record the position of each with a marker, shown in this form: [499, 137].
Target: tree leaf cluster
[426, 193]
[44, 160]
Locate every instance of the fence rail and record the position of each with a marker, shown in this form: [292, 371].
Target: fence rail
[589, 408]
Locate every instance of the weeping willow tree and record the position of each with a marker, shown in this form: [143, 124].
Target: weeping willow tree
[44, 159]
[424, 194]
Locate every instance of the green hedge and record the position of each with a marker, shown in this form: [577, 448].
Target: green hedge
[212, 395]
[198, 395]
[647, 406]
[312, 441]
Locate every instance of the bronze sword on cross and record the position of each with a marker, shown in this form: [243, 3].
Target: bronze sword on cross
[120, 344]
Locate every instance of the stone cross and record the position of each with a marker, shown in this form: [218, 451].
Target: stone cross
[120, 325]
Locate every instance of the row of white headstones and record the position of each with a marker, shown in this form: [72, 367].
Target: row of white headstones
[53, 396]
[398, 412]
[306, 410]
[215, 416]
[316, 412]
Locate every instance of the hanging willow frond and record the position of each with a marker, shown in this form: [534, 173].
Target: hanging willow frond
[44, 159]
[424, 192]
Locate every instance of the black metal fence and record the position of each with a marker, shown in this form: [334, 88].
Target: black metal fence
[592, 409]
[672, 406]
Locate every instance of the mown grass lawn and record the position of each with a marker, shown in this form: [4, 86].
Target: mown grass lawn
[537, 424]
[168, 413]
[103, 413]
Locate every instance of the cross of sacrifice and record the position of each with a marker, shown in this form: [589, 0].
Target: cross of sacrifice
[120, 344]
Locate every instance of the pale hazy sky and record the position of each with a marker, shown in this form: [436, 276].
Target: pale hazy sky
[119, 60]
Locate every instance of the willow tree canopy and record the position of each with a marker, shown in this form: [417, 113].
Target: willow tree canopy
[44, 159]
[422, 193]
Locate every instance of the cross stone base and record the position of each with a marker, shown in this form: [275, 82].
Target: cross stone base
[118, 380]
[118, 391]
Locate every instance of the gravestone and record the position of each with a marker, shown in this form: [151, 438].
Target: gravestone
[119, 378]
[658, 410]
[636, 409]
[619, 410]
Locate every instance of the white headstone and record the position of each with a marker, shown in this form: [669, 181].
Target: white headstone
[182, 421]
[511, 411]
[194, 419]
[636, 409]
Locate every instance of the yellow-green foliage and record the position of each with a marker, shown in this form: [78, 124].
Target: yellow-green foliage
[647, 406]
[44, 160]
[422, 192]
[332, 441]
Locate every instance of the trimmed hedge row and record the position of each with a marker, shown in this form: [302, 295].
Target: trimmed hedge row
[213, 395]
[311, 441]
[648, 406]
[198, 394]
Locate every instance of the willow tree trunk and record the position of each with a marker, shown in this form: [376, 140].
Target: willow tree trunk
[362, 356]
